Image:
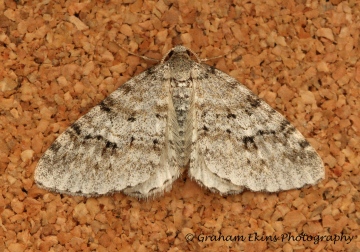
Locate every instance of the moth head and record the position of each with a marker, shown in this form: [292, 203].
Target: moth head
[180, 50]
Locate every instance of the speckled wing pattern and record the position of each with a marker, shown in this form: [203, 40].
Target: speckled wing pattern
[239, 141]
[126, 143]
[179, 114]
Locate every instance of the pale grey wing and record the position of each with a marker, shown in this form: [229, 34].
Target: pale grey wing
[126, 143]
[239, 141]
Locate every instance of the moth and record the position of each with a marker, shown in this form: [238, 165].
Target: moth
[180, 114]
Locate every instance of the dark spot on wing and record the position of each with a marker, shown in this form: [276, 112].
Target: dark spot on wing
[131, 140]
[98, 137]
[150, 71]
[284, 124]
[265, 132]
[131, 119]
[249, 142]
[291, 130]
[111, 145]
[304, 144]
[286, 128]
[76, 128]
[233, 84]
[228, 131]
[153, 189]
[260, 132]
[104, 107]
[248, 112]
[106, 104]
[212, 69]
[248, 139]
[227, 180]
[156, 144]
[55, 147]
[126, 88]
[204, 76]
[205, 128]
[231, 116]
[254, 101]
